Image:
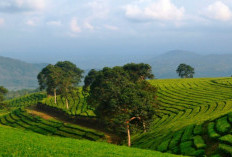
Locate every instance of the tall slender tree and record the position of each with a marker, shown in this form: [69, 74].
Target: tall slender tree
[71, 77]
[61, 77]
[50, 78]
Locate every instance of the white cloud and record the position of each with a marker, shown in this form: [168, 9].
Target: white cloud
[163, 10]
[218, 11]
[54, 23]
[12, 6]
[88, 26]
[74, 26]
[110, 27]
[2, 21]
[30, 23]
[100, 8]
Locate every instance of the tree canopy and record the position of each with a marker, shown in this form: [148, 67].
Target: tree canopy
[3, 91]
[139, 71]
[61, 77]
[118, 98]
[185, 71]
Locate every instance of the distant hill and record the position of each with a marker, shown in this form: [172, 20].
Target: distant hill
[16, 74]
[164, 66]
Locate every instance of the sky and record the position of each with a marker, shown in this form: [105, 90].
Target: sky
[51, 30]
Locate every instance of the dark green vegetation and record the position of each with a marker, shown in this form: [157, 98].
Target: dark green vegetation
[122, 98]
[16, 74]
[15, 142]
[19, 118]
[3, 92]
[63, 77]
[193, 117]
[185, 71]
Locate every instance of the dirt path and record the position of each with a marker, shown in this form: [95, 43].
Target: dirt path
[110, 138]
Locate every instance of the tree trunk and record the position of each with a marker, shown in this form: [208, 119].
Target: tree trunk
[66, 101]
[128, 134]
[55, 95]
[144, 127]
[128, 129]
[66, 98]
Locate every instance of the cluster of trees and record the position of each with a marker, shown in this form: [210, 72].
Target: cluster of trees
[120, 95]
[61, 78]
[185, 71]
[122, 98]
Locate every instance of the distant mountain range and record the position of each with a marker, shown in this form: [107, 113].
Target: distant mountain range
[16, 74]
[213, 65]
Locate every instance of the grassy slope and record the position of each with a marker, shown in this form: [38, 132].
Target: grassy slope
[21, 143]
[186, 102]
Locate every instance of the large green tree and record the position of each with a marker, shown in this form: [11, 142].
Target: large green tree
[62, 77]
[139, 71]
[71, 77]
[50, 79]
[3, 91]
[121, 102]
[185, 71]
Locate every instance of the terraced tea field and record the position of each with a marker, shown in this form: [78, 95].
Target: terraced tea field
[27, 100]
[19, 118]
[212, 138]
[186, 107]
[77, 105]
[191, 101]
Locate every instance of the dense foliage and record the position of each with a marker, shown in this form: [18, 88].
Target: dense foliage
[3, 92]
[185, 71]
[62, 77]
[120, 96]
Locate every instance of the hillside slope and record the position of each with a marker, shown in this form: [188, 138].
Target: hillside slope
[16, 74]
[186, 104]
[15, 142]
[165, 65]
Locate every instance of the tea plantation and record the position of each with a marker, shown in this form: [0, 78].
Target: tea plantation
[194, 118]
[77, 105]
[21, 119]
[27, 100]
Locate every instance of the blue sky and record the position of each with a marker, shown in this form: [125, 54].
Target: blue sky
[50, 30]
